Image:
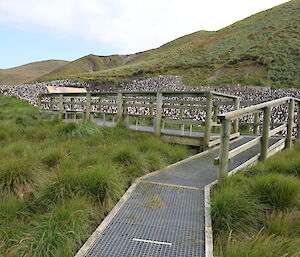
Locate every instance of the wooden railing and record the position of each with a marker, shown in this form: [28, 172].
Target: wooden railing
[265, 150]
[118, 106]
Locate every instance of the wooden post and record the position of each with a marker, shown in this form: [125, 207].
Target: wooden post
[208, 119]
[290, 123]
[159, 109]
[255, 125]
[298, 122]
[39, 103]
[88, 106]
[51, 103]
[215, 116]
[224, 149]
[265, 134]
[60, 106]
[120, 104]
[237, 105]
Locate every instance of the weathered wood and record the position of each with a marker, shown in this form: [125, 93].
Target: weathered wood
[290, 122]
[208, 119]
[215, 117]
[237, 106]
[255, 125]
[218, 141]
[51, 103]
[39, 103]
[88, 106]
[224, 150]
[60, 106]
[245, 111]
[298, 121]
[276, 130]
[120, 109]
[265, 133]
[185, 107]
[159, 109]
[275, 148]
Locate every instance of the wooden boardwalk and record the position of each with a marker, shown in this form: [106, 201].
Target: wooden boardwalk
[167, 213]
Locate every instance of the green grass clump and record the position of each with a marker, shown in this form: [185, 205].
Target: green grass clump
[57, 231]
[280, 223]
[260, 246]
[17, 176]
[233, 209]
[276, 190]
[102, 184]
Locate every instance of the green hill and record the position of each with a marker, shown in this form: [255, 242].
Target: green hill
[262, 49]
[28, 72]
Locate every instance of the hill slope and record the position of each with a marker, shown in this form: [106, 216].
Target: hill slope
[28, 72]
[261, 49]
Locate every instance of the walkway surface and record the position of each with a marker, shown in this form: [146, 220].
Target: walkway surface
[164, 216]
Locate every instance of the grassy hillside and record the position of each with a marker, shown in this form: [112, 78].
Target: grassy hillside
[28, 72]
[257, 212]
[59, 180]
[262, 49]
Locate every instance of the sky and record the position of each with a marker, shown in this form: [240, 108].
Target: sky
[35, 30]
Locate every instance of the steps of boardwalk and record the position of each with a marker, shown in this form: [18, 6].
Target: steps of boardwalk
[164, 215]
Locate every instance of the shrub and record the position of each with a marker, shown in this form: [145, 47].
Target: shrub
[278, 191]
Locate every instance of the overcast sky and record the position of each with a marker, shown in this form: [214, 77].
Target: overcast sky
[33, 30]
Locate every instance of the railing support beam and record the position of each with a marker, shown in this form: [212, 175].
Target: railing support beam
[88, 106]
[298, 121]
[159, 105]
[224, 149]
[237, 105]
[60, 106]
[120, 103]
[290, 123]
[208, 119]
[256, 126]
[265, 134]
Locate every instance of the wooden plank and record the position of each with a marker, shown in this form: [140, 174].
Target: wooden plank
[218, 141]
[245, 111]
[184, 107]
[243, 147]
[237, 106]
[182, 121]
[60, 106]
[192, 141]
[276, 130]
[139, 105]
[275, 148]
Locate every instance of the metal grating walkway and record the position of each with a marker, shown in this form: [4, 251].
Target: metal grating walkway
[164, 216]
[171, 218]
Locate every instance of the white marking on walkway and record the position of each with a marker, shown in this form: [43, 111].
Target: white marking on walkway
[150, 241]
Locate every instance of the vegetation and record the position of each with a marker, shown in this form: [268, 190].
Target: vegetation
[59, 180]
[259, 50]
[257, 212]
[28, 72]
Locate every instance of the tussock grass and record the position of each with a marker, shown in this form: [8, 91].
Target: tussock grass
[276, 190]
[234, 209]
[17, 176]
[260, 245]
[273, 229]
[59, 180]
